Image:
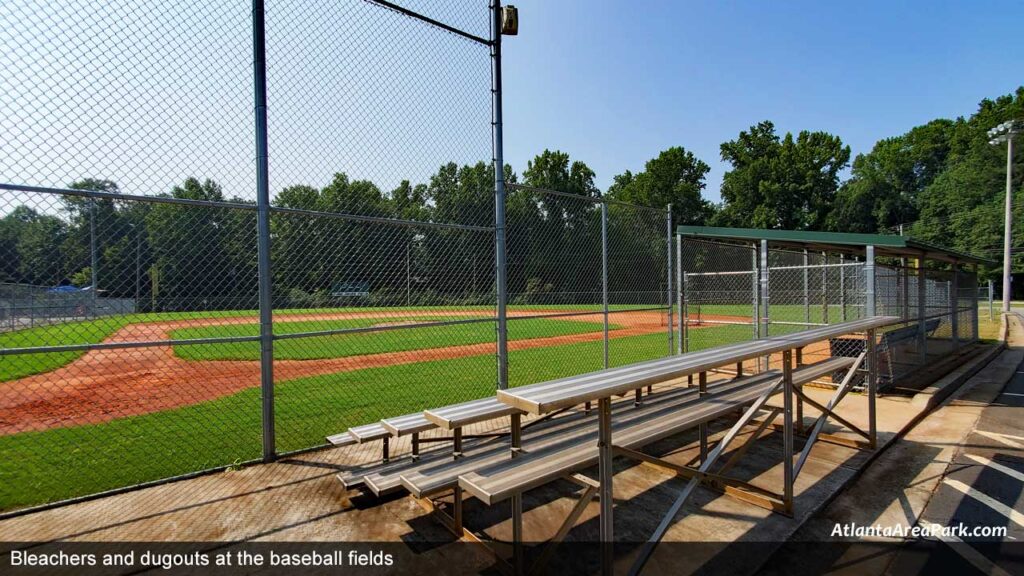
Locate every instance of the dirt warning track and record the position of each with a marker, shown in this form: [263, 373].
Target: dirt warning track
[106, 384]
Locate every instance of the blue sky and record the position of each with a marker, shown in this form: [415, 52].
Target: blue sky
[149, 97]
[615, 82]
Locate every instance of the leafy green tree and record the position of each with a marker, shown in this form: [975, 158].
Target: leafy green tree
[883, 190]
[563, 246]
[188, 246]
[34, 243]
[787, 182]
[675, 177]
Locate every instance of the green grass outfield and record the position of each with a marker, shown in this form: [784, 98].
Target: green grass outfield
[94, 331]
[343, 345]
[67, 462]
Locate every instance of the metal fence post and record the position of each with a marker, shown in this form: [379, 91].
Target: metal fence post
[93, 258]
[807, 291]
[905, 279]
[870, 348]
[680, 298]
[604, 275]
[755, 313]
[872, 360]
[954, 305]
[975, 312]
[263, 231]
[842, 286]
[765, 309]
[668, 295]
[991, 312]
[499, 196]
[922, 309]
[869, 282]
[824, 288]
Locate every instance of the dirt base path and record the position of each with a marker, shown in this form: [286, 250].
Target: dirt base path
[103, 385]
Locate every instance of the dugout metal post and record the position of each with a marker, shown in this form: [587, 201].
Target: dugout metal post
[668, 265]
[263, 230]
[807, 292]
[842, 286]
[954, 306]
[824, 288]
[765, 314]
[975, 312]
[499, 197]
[869, 282]
[922, 293]
[680, 301]
[755, 283]
[872, 353]
[991, 300]
[604, 274]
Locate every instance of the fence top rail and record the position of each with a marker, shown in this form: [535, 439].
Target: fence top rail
[726, 273]
[546, 397]
[601, 200]
[126, 197]
[802, 267]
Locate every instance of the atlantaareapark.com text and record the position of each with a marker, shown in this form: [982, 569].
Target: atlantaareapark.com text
[854, 530]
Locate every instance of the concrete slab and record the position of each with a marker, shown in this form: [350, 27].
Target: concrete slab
[299, 499]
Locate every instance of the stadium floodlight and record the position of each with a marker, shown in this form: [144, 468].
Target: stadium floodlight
[1006, 132]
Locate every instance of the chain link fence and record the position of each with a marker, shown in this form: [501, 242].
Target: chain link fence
[987, 300]
[734, 292]
[178, 298]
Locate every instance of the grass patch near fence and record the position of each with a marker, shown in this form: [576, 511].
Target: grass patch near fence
[360, 343]
[62, 463]
[94, 331]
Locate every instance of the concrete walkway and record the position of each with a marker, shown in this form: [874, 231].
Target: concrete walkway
[963, 463]
[299, 499]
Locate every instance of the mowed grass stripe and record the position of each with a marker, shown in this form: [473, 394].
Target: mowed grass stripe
[358, 344]
[66, 462]
[97, 330]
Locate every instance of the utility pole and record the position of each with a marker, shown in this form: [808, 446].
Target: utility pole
[1006, 132]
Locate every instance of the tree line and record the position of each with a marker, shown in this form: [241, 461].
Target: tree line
[422, 244]
[940, 182]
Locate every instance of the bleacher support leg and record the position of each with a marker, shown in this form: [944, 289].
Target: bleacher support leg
[604, 447]
[515, 437]
[416, 446]
[872, 360]
[787, 434]
[702, 390]
[799, 400]
[385, 448]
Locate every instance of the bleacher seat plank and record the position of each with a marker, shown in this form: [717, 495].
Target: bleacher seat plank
[343, 439]
[368, 432]
[497, 482]
[566, 392]
[564, 432]
[466, 413]
[408, 424]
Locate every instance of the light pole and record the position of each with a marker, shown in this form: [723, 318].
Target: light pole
[1006, 132]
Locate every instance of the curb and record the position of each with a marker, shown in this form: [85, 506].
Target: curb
[934, 394]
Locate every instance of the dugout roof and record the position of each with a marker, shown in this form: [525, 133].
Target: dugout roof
[840, 242]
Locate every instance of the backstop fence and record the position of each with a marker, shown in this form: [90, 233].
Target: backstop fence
[294, 207]
[731, 292]
[28, 306]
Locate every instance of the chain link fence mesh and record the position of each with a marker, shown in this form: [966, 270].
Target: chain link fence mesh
[722, 302]
[130, 337]
[130, 343]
